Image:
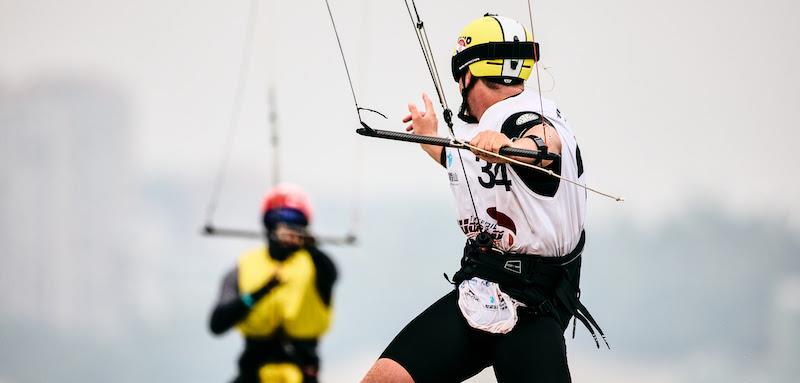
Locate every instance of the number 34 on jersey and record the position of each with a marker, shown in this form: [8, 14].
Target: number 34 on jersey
[494, 175]
[491, 174]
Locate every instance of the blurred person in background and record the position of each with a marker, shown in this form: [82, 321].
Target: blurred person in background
[517, 288]
[279, 295]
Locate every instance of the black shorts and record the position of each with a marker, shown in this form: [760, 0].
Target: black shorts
[440, 346]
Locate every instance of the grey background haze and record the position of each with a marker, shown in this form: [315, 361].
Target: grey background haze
[113, 116]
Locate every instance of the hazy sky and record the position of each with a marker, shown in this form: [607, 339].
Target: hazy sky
[675, 104]
[670, 101]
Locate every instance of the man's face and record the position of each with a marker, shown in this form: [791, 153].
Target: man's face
[289, 235]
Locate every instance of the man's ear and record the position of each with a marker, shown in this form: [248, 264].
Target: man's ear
[464, 80]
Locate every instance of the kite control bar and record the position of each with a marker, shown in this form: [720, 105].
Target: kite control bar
[448, 142]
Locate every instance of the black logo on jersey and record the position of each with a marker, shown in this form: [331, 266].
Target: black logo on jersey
[502, 227]
[453, 177]
[473, 226]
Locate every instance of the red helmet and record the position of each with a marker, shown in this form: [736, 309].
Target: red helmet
[287, 196]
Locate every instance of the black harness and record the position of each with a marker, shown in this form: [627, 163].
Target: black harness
[541, 283]
[277, 348]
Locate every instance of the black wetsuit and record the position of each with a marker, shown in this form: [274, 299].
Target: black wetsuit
[439, 346]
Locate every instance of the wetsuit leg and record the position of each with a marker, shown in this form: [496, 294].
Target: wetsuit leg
[439, 346]
[533, 352]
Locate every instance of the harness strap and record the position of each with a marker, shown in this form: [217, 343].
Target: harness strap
[565, 293]
[534, 280]
[511, 268]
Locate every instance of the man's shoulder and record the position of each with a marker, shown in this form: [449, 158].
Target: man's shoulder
[508, 111]
[254, 253]
[527, 101]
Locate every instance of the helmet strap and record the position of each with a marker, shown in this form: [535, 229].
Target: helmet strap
[464, 113]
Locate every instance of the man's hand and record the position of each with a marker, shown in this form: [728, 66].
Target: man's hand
[424, 124]
[490, 141]
[272, 282]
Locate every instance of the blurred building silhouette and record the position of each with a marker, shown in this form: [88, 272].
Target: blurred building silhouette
[66, 188]
[785, 334]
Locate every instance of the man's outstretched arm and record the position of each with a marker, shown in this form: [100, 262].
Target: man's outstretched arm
[231, 307]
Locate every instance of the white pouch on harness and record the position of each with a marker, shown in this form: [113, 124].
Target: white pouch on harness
[487, 308]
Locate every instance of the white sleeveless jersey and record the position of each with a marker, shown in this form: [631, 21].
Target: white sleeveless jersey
[519, 219]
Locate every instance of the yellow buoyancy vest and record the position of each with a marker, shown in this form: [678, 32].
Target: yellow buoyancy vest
[294, 305]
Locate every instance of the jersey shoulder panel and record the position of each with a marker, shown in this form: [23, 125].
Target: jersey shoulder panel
[518, 123]
[527, 101]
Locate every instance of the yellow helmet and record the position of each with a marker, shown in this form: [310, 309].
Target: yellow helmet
[495, 46]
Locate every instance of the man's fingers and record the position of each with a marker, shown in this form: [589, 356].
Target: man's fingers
[428, 103]
[497, 143]
[422, 121]
[488, 142]
[477, 142]
[414, 111]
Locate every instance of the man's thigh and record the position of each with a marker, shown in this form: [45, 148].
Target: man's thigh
[533, 352]
[439, 346]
